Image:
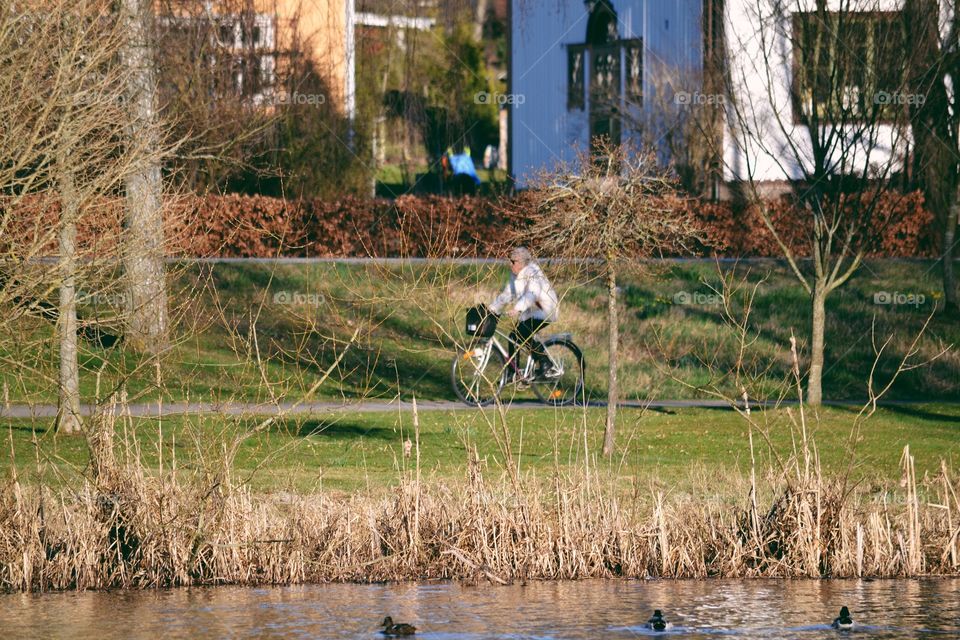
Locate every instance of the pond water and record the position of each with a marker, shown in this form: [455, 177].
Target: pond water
[588, 609]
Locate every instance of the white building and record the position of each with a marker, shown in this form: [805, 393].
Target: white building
[630, 69]
[773, 82]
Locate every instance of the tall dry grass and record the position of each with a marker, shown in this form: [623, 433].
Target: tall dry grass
[126, 528]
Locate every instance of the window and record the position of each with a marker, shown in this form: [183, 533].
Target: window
[847, 65]
[605, 74]
[606, 68]
[609, 62]
[575, 71]
[227, 35]
[249, 35]
[633, 67]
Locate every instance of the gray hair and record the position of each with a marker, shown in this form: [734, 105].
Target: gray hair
[521, 254]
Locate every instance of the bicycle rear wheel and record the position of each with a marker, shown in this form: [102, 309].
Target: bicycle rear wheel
[563, 385]
[477, 375]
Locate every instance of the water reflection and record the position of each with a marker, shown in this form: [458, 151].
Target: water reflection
[589, 609]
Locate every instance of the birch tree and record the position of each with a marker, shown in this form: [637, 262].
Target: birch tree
[816, 105]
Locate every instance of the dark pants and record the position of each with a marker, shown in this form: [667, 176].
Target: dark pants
[522, 336]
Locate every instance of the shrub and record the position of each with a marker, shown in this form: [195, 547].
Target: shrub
[429, 226]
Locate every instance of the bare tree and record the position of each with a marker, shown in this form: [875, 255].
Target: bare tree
[64, 158]
[224, 70]
[68, 413]
[682, 122]
[79, 118]
[613, 207]
[815, 103]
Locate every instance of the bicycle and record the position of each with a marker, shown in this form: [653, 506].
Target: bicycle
[480, 371]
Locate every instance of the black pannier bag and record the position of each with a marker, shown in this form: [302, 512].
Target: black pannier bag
[481, 322]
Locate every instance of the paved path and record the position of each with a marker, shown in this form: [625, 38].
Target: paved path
[375, 406]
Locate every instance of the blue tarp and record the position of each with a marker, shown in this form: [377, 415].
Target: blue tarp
[462, 164]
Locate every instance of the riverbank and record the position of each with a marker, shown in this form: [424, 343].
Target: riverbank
[505, 499]
[139, 533]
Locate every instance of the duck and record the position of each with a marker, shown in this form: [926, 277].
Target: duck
[396, 629]
[843, 621]
[657, 623]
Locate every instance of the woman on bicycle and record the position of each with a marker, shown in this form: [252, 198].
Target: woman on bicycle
[533, 302]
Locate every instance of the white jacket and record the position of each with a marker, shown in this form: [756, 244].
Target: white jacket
[531, 295]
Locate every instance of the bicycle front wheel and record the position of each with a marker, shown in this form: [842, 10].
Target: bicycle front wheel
[563, 382]
[477, 375]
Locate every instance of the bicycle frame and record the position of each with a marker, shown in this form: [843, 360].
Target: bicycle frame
[493, 343]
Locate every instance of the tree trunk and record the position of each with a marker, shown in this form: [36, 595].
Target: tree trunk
[143, 253]
[480, 19]
[949, 238]
[613, 330]
[932, 126]
[815, 379]
[68, 411]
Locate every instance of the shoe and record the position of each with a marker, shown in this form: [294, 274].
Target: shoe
[519, 381]
[546, 371]
[552, 372]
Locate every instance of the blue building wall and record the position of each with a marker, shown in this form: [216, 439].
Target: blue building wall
[543, 131]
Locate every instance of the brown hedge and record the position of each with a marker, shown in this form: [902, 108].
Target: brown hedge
[900, 226]
[426, 226]
[438, 226]
[256, 226]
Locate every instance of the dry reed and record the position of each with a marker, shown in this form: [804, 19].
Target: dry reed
[125, 528]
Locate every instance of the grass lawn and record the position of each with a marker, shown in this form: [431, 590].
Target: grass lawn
[685, 450]
[261, 331]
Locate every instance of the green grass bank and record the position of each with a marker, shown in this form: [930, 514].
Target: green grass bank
[684, 450]
[263, 331]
